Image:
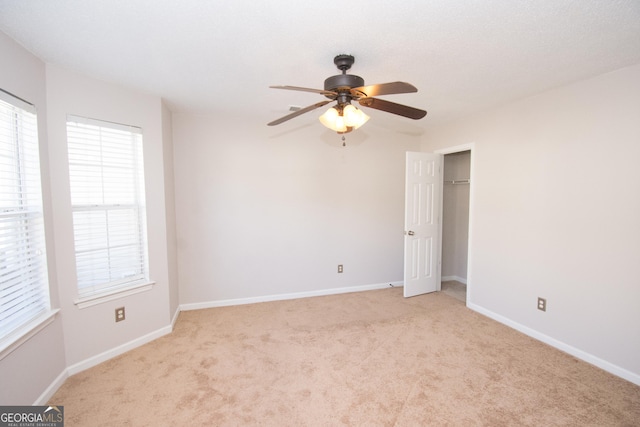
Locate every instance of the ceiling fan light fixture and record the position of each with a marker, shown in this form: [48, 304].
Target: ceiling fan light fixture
[350, 119]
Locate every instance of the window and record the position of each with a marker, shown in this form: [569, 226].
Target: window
[24, 286]
[107, 197]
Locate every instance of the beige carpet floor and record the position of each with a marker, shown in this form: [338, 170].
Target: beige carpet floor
[362, 359]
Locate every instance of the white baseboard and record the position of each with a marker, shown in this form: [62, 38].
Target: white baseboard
[582, 355]
[116, 351]
[174, 319]
[280, 297]
[53, 387]
[456, 278]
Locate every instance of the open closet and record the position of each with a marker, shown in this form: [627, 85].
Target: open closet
[455, 223]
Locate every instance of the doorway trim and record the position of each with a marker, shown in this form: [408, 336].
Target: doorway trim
[450, 150]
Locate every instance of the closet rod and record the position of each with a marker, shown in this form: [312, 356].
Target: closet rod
[458, 181]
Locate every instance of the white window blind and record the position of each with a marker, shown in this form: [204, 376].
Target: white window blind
[24, 287]
[107, 195]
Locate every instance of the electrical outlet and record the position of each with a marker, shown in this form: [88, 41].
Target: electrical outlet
[542, 304]
[119, 314]
[340, 269]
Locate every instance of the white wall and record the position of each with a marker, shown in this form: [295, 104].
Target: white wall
[91, 333]
[30, 369]
[264, 211]
[555, 214]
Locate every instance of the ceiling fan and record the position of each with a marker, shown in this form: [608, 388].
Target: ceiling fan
[345, 88]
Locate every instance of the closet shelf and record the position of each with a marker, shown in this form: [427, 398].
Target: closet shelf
[458, 181]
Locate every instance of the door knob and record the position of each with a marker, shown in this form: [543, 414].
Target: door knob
[410, 233]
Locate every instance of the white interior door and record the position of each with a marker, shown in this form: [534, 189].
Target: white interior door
[421, 225]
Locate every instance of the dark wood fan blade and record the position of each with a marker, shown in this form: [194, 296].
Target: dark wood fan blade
[386, 89]
[299, 112]
[392, 107]
[306, 89]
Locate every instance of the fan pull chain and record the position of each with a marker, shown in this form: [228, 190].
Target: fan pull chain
[344, 144]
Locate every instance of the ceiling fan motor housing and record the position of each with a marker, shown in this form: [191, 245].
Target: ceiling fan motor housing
[343, 82]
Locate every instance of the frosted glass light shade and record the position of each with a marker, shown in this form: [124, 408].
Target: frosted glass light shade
[332, 119]
[362, 119]
[350, 114]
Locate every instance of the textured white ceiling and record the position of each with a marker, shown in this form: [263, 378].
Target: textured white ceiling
[207, 56]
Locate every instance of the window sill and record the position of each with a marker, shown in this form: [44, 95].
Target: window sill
[22, 335]
[91, 300]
